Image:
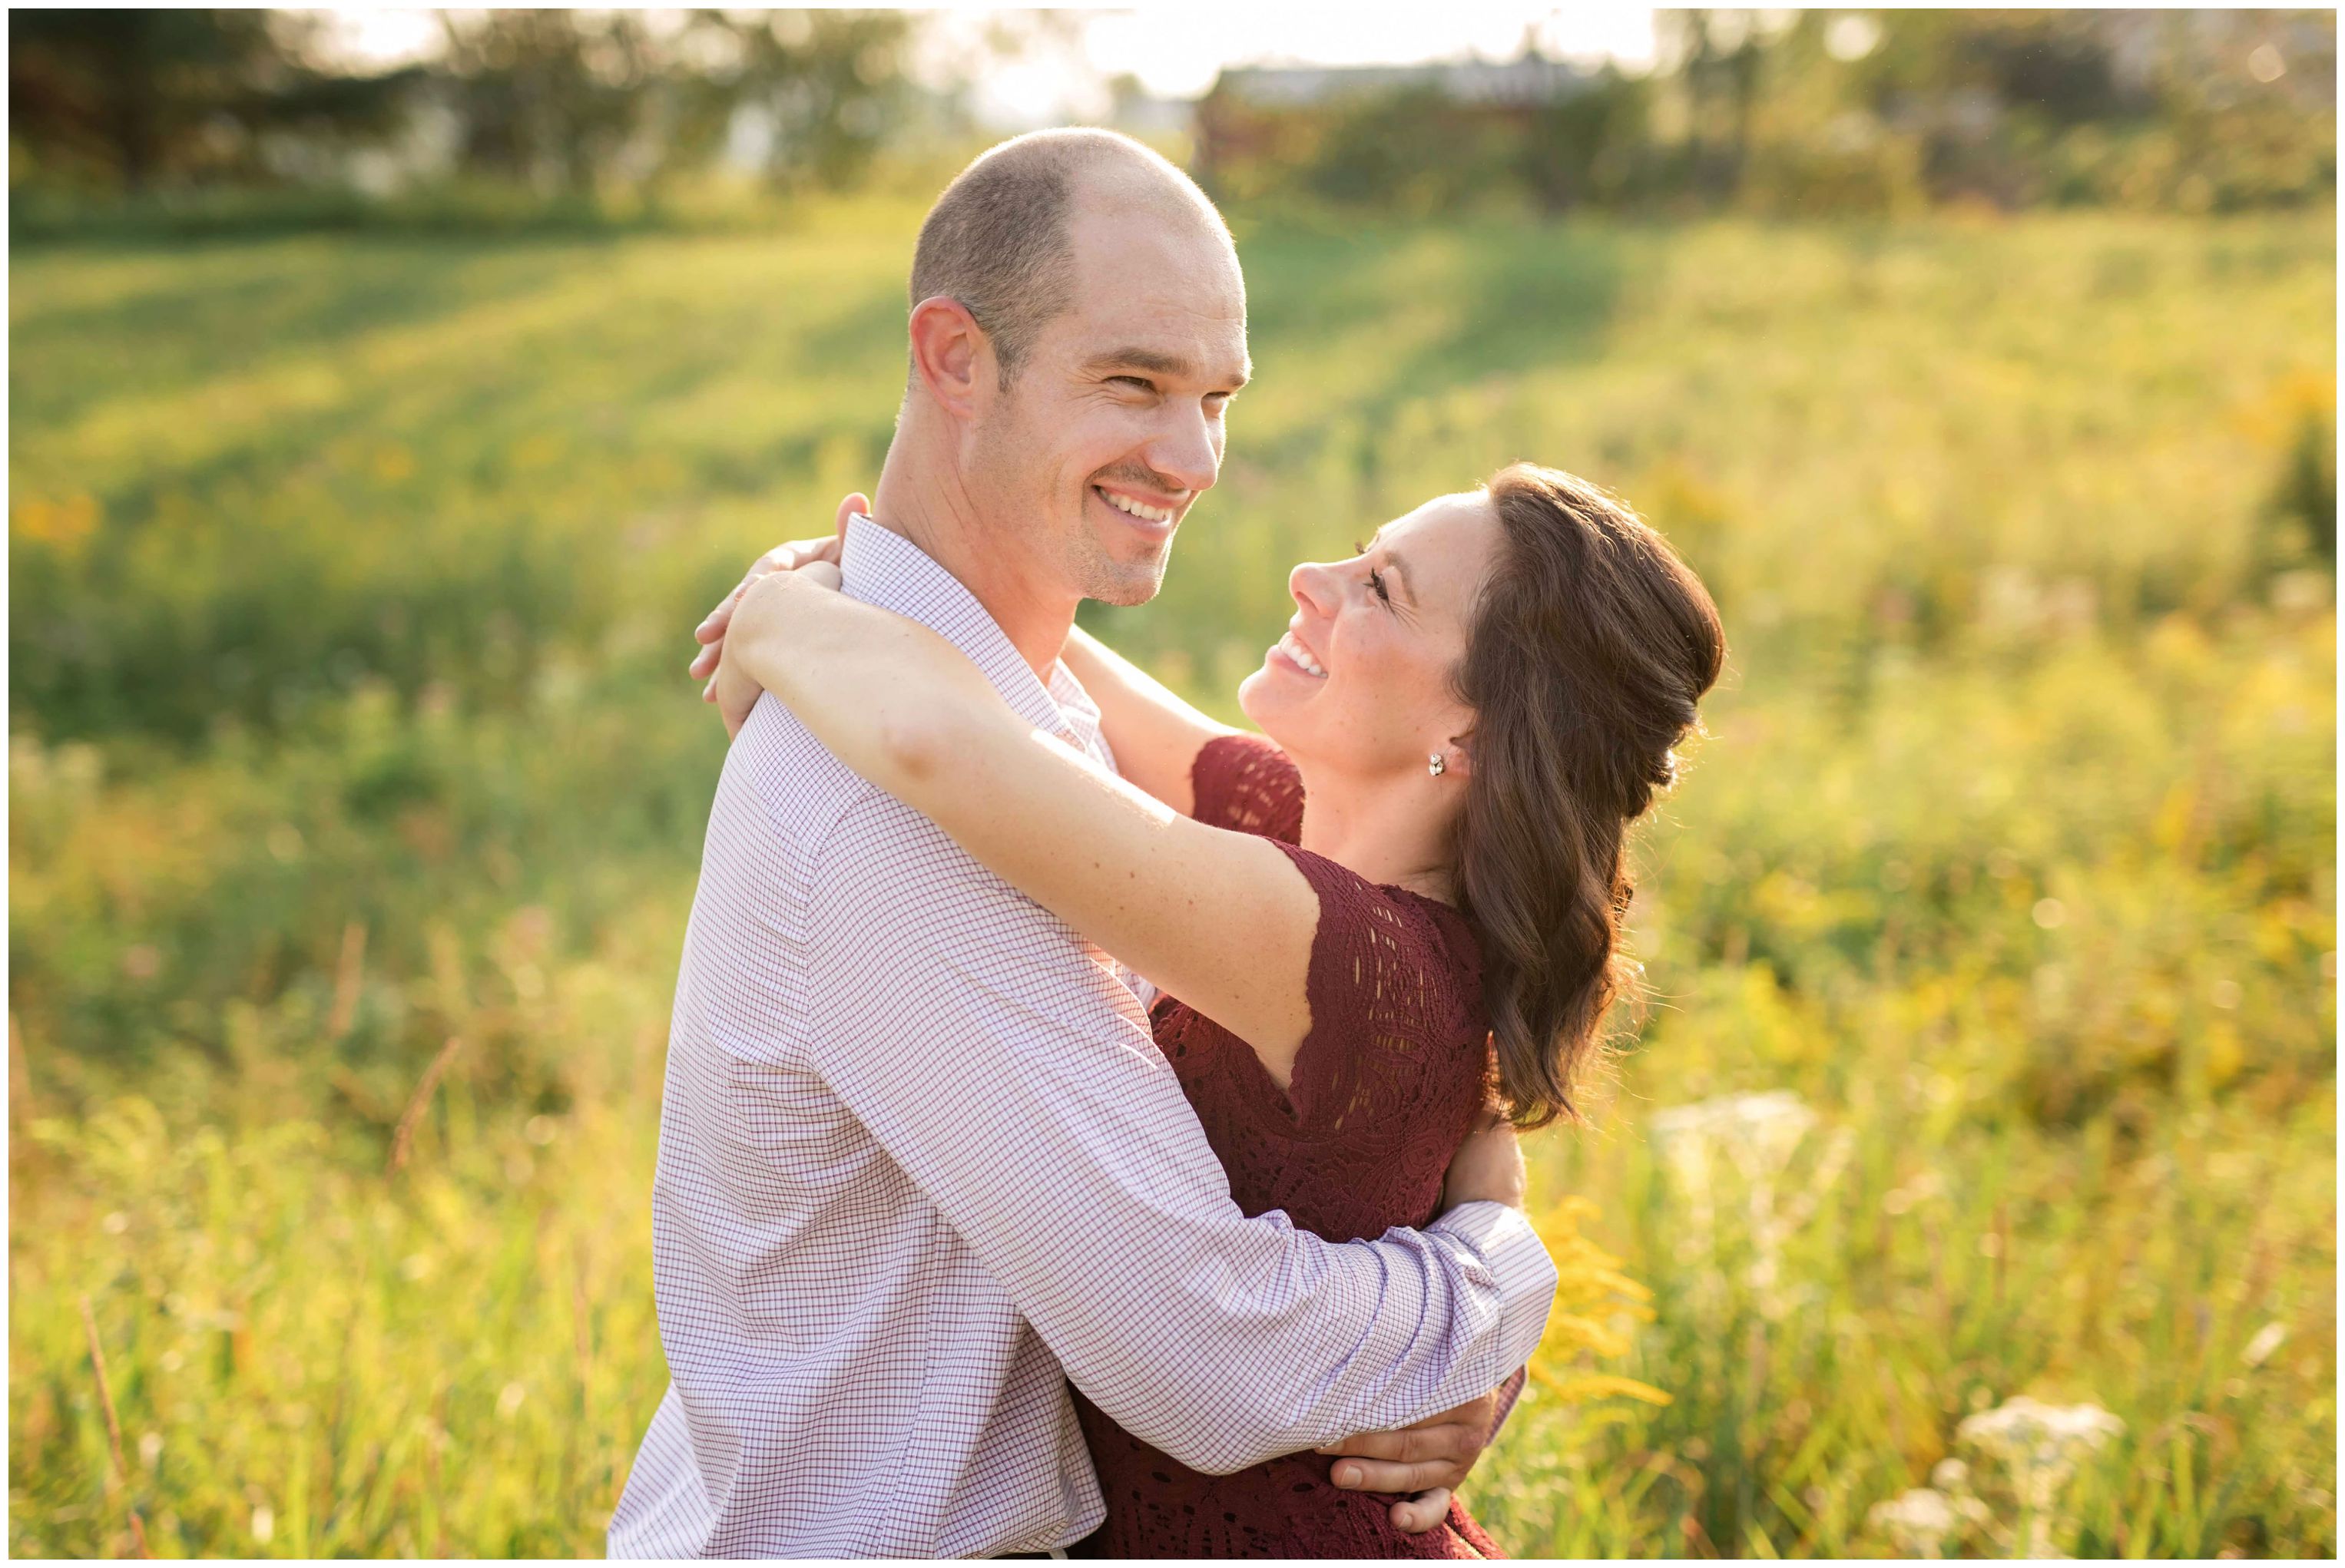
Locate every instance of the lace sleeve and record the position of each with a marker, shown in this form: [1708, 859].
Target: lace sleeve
[1243, 782]
[1397, 1037]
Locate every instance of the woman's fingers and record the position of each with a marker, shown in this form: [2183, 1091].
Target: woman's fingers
[797, 555]
[735, 695]
[856, 504]
[1426, 1511]
[711, 630]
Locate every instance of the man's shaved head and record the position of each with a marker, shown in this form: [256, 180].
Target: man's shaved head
[1000, 238]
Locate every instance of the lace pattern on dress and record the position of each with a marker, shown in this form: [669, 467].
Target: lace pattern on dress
[1386, 1083]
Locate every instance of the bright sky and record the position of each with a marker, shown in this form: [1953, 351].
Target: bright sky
[1175, 51]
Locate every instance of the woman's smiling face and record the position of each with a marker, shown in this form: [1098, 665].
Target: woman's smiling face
[1361, 682]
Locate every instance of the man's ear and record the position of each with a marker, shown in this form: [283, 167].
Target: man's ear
[952, 356]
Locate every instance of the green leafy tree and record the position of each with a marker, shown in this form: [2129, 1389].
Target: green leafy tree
[134, 97]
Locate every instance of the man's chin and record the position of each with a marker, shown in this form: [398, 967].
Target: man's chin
[1127, 584]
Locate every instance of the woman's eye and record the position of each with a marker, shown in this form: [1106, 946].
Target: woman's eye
[1376, 582]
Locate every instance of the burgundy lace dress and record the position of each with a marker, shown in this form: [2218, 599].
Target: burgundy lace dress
[1388, 1084]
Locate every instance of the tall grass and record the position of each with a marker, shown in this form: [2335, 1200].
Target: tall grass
[349, 580]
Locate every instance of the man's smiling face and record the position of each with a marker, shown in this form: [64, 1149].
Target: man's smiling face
[1115, 424]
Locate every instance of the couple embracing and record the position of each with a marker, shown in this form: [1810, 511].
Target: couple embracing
[1089, 1129]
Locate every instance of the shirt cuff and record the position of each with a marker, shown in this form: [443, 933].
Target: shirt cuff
[1519, 1266]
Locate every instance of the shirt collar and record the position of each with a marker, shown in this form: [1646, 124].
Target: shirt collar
[881, 567]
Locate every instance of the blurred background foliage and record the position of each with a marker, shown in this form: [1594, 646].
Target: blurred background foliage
[206, 119]
[1991, 935]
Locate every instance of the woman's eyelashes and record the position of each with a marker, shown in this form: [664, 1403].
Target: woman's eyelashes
[1375, 577]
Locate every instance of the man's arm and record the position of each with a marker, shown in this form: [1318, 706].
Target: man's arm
[1014, 1080]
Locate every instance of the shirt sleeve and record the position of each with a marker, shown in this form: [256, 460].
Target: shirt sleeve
[1245, 783]
[996, 1057]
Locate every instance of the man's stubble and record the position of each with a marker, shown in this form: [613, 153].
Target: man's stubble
[1017, 479]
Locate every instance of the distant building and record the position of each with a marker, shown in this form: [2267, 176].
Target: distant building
[1527, 82]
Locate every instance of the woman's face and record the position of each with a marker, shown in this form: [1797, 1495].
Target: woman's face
[1360, 683]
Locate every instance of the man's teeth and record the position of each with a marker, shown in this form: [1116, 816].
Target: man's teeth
[1300, 654]
[1145, 513]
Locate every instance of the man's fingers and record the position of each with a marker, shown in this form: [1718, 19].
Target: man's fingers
[1410, 1444]
[1426, 1511]
[1382, 1475]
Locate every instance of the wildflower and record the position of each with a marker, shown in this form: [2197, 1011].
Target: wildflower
[1920, 1523]
[2042, 1445]
[2268, 1339]
[2033, 1432]
[1755, 1136]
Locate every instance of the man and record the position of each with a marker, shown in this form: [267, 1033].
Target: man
[921, 1162]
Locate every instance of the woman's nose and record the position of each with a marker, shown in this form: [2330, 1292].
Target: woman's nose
[1314, 587]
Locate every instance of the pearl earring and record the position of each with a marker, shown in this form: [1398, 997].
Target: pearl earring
[1434, 766]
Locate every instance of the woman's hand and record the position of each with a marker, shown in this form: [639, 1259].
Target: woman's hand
[799, 555]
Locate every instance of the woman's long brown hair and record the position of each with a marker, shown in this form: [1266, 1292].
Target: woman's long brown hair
[1590, 649]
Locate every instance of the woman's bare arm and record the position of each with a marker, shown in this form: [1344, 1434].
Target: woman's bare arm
[1222, 920]
[1155, 734]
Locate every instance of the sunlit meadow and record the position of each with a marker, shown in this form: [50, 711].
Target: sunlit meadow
[1968, 1188]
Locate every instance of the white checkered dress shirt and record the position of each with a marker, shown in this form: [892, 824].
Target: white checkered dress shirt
[921, 1162]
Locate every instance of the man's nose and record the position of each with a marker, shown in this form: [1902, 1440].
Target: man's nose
[1186, 452]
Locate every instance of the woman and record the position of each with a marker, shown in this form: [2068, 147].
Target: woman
[1473, 708]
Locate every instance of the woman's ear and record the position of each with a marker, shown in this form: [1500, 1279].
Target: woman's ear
[952, 356]
[1458, 756]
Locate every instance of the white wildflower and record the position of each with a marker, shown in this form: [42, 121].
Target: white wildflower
[2028, 1427]
[1754, 1137]
[1922, 1521]
[2268, 1339]
[2042, 1445]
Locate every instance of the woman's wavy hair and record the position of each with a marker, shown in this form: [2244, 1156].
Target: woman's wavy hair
[1590, 646]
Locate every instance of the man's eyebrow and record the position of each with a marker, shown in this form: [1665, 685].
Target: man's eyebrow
[1156, 359]
[1156, 362]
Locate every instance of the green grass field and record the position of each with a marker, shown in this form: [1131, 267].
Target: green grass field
[351, 586]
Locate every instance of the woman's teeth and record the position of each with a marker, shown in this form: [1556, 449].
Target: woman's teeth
[1301, 656]
[1125, 503]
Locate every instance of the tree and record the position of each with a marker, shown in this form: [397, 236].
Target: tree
[134, 96]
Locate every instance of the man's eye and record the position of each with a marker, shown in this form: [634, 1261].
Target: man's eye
[1376, 582]
[1134, 382]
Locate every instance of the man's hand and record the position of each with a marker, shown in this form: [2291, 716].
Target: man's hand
[792, 557]
[1425, 1462]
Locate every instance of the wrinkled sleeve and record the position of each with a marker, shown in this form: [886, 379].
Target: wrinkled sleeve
[996, 1057]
